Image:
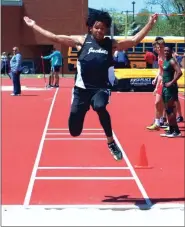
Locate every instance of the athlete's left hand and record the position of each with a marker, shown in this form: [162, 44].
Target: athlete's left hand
[153, 19]
[169, 84]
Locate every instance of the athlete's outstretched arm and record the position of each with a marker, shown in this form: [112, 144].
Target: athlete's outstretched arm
[72, 41]
[130, 42]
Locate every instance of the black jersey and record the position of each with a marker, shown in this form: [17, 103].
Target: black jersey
[93, 63]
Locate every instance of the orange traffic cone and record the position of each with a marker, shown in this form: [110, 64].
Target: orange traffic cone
[143, 160]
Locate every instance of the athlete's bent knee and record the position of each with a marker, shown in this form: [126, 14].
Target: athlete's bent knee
[74, 127]
[75, 123]
[99, 108]
[74, 132]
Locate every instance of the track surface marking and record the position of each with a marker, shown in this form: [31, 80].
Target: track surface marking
[38, 121]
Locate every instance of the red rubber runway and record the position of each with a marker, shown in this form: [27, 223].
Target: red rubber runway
[43, 165]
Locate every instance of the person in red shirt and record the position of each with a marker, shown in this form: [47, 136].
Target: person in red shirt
[150, 58]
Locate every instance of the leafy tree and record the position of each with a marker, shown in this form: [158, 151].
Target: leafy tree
[166, 25]
[171, 24]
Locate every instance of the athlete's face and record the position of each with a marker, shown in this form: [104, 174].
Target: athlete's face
[159, 48]
[98, 30]
[155, 48]
[167, 52]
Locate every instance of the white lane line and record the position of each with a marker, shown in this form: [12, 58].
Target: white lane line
[37, 160]
[67, 133]
[83, 167]
[138, 182]
[75, 139]
[66, 129]
[84, 178]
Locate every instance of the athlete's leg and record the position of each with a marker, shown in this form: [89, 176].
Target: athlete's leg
[80, 105]
[163, 119]
[99, 102]
[169, 98]
[51, 78]
[57, 79]
[159, 107]
[164, 114]
[179, 111]
[171, 115]
[57, 71]
[158, 113]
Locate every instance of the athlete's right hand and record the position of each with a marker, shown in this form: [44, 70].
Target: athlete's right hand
[29, 21]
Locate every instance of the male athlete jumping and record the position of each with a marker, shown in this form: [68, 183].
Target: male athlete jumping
[94, 60]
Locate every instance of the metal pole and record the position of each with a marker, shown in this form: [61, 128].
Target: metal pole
[112, 30]
[126, 24]
[126, 21]
[133, 10]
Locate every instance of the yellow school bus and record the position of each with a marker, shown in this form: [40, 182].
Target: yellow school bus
[135, 54]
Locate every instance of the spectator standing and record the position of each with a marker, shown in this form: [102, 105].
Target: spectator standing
[121, 59]
[56, 63]
[15, 71]
[4, 63]
[150, 58]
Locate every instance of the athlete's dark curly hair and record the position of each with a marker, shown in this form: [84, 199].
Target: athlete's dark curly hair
[170, 46]
[101, 16]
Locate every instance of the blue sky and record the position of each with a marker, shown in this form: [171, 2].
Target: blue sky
[122, 5]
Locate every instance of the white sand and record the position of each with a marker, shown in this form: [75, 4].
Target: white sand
[39, 216]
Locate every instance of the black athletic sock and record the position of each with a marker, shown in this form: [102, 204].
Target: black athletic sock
[110, 143]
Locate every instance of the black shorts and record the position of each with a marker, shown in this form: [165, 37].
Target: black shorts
[82, 99]
[55, 68]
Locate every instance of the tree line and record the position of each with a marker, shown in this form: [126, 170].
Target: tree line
[169, 24]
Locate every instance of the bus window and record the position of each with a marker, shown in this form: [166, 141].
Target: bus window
[74, 50]
[135, 54]
[180, 48]
[171, 44]
[72, 58]
[130, 50]
[139, 48]
[149, 47]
